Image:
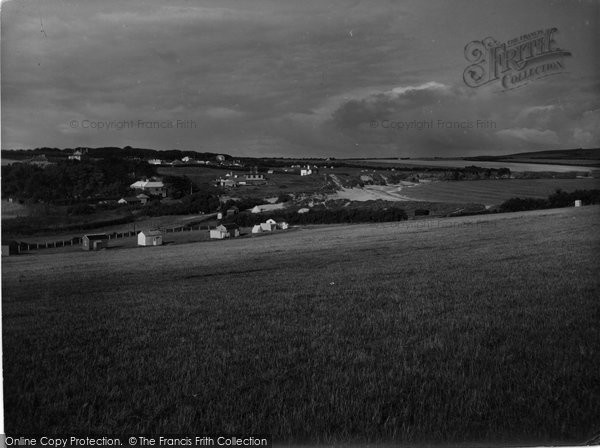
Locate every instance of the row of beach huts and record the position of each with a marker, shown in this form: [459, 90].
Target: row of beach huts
[155, 237]
[152, 237]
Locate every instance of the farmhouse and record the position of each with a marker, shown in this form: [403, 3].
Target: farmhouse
[306, 171]
[227, 183]
[78, 154]
[150, 238]
[225, 231]
[94, 241]
[156, 188]
[253, 177]
[39, 160]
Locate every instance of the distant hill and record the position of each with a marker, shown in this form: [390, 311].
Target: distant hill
[106, 152]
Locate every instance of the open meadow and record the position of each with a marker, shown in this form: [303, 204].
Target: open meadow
[494, 192]
[480, 328]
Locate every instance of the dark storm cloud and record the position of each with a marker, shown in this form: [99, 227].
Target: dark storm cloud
[266, 78]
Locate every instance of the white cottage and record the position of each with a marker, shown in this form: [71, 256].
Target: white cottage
[266, 227]
[150, 238]
[225, 231]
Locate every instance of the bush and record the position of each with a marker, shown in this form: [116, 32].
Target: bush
[556, 200]
[284, 198]
[519, 205]
[321, 216]
[80, 209]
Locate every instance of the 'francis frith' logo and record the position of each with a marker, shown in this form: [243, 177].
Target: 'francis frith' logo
[513, 63]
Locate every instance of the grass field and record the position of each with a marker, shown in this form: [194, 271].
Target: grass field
[13, 210]
[490, 192]
[481, 328]
[514, 166]
[278, 183]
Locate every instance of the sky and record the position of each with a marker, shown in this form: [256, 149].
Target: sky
[317, 78]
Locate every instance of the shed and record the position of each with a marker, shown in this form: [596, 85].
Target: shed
[150, 238]
[10, 248]
[233, 211]
[266, 227]
[143, 198]
[225, 231]
[94, 241]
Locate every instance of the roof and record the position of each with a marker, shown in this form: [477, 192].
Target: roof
[96, 236]
[147, 184]
[151, 232]
[230, 226]
[131, 199]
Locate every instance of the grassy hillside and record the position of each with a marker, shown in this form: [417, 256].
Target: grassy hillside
[477, 328]
[491, 192]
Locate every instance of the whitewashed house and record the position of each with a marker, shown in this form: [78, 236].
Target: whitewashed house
[306, 171]
[150, 238]
[78, 154]
[266, 227]
[153, 187]
[225, 231]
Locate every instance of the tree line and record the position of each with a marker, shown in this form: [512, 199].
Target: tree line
[70, 181]
[321, 216]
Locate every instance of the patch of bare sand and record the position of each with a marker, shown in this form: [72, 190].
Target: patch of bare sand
[374, 192]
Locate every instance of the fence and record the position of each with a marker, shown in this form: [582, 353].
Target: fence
[23, 246]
